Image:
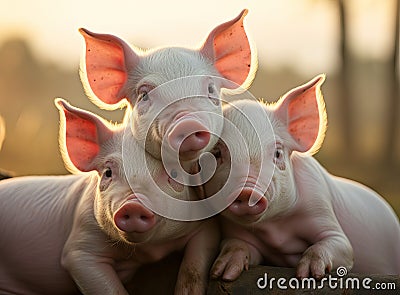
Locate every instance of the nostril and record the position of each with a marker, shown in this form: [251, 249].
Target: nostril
[249, 202]
[132, 216]
[127, 217]
[238, 201]
[200, 133]
[204, 135]
[144, 218]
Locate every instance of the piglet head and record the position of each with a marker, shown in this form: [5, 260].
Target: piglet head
[115, 73]
[275, 135]
[122, 174]
[158, 190]
[240, 170]
[89, 144]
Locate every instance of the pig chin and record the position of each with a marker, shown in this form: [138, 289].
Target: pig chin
[136, 238]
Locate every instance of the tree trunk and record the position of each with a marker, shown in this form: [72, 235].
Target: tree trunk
[344, 77]
[394, 95]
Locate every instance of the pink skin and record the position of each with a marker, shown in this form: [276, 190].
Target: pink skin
[306, 218]
[188, 134]
[88, 233]
[114, 72]
[132, 216]
[240, 207]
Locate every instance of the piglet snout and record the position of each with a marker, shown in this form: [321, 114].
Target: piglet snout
[132, 216]
[243, 204]
[188, 134]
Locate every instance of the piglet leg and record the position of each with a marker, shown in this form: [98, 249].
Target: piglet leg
[89, 258]
[200, 252]
[325, 255]
[236, 254]
[232, 260]
[93, 275]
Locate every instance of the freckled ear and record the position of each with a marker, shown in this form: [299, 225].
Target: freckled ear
[105, 68]
[228, 47]
[302, 110]
[82, 135]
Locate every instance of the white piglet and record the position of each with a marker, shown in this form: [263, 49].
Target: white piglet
[287, 209]
[181, 112]
[89, 232]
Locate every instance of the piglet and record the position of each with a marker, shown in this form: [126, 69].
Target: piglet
[286, 209]
[89, 232]
[113, 72]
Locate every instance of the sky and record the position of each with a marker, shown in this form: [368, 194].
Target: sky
[302, 34]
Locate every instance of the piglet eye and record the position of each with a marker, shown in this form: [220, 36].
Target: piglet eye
[278, 153]
[279, 158]
[143, 96]
[108, 173]
[106, 179]
[212, 94]
[211, 88]
[143, 93]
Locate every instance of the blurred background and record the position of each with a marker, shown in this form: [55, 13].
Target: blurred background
[355, 42]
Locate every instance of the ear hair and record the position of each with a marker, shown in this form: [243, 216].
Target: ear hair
[81, 137]
[303, 112]
[231, 52]
[104, 70]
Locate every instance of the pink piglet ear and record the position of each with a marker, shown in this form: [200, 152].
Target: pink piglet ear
[228, 47]
[82, 135]
[107, 62]
[303, 112]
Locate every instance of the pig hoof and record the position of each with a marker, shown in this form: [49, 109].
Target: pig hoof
[233, 259]
[315, 263]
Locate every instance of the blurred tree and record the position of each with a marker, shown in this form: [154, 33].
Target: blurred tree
[344, 80]
[394, 95]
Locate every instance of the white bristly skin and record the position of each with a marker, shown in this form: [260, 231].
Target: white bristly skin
[114, 73]
[88, 233]
[304, 217]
